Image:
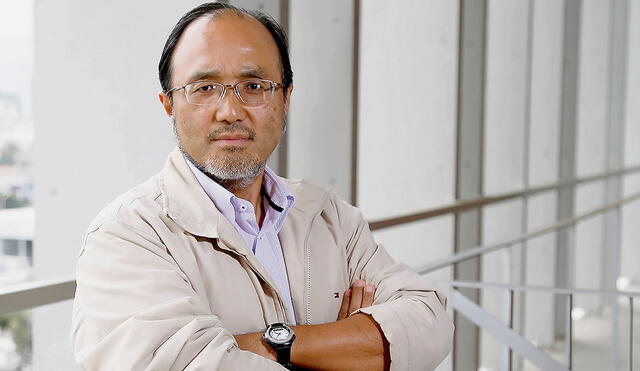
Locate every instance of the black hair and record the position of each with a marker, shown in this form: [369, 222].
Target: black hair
[213, 10]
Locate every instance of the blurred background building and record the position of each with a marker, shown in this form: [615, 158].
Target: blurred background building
[492, 145]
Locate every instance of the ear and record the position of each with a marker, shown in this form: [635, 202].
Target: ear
[166, 103]
[287, 98]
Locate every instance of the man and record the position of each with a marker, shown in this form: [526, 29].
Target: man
[216, 262]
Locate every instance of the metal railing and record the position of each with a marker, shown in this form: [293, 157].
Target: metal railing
[32, 294]
[504, 332]
[480, 250]
[464, 205]
[460, 302]
[24, 291]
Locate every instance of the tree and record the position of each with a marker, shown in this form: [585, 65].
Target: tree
[19, 326]
[9, 153]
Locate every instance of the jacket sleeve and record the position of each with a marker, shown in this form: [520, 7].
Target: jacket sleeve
[135, 309]
[410, 312]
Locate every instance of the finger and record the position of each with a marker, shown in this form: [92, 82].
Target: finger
[342, 314]
[367, 296]
[356, 296]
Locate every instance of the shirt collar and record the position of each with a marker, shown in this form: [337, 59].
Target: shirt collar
[279, 197]
[220, 196]
[276, 192]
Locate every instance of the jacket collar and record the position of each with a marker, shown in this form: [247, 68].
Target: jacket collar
[185, 201]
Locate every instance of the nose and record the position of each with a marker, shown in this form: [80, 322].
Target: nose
[230, 109]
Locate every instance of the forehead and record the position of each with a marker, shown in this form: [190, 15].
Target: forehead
[225, 45]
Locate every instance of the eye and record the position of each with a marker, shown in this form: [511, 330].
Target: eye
[206, 88]
[253, 88]
[253, 85]
[203, 87]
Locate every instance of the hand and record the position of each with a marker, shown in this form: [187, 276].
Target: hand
[356, 297]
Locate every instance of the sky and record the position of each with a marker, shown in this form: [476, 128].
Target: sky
[16, 48]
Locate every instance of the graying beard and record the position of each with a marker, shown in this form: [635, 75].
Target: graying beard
[232, 179]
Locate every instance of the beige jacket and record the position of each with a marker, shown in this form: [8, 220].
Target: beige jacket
[164, 281]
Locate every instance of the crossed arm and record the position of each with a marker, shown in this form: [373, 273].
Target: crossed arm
[353, 342]
[135, 308]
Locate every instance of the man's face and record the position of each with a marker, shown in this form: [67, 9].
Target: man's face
[229, 140]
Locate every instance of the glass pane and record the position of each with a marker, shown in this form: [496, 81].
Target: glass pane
[51, 326]
[16, 141]
[15, 341]
[16, 185]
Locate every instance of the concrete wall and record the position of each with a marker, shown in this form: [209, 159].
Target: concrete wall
[320, 119]
[406, 118]
[407, 107]
[99, 130]
[407, 123]
[99, 126]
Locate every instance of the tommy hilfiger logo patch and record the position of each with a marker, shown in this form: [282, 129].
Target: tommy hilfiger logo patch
[336, 294]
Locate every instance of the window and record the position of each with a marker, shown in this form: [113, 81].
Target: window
[16, 185]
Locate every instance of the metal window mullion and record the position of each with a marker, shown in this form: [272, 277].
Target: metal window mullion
[521, 302]
[567, 152]
[511, 312]
[283, 146]
[630, 333]
[615, 135]
[614, 145]
[469, 165]
[569, 330]
[355, 103]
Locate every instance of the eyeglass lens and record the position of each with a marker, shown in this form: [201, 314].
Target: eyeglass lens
[252, 92]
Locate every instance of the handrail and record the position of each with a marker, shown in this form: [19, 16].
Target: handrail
[481, 318]
[36, 293]
[465, 205]
[546, 289]
[480, 250]
[505, 334]
[27, 295]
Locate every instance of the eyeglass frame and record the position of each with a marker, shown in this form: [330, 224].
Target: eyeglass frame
[274, 87]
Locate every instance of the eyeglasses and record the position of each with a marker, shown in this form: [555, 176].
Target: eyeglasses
[253, 93]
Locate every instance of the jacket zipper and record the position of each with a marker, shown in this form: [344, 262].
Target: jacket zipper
[308, 258]
[283, 309]
[308, 264]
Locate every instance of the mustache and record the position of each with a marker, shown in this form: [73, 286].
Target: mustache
[234, 128]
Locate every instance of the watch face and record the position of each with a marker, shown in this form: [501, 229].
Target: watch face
[279, 334]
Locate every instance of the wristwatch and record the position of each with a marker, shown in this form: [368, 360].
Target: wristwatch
[280, 337]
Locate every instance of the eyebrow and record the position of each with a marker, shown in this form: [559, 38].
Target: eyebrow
[204, 75]
[253, 72]
[256, 71]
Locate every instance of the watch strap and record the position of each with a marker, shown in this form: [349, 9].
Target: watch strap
[283, 354]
